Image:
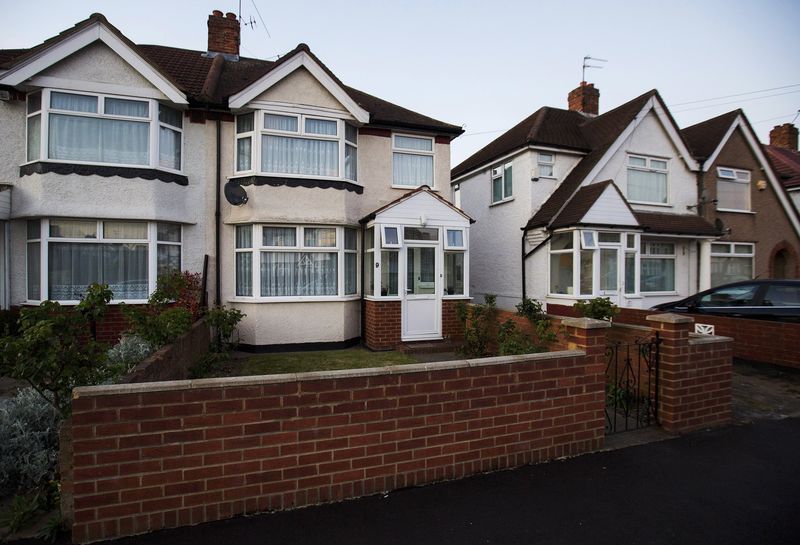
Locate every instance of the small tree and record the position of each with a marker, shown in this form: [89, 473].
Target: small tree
[599, 308]
[542, 325]
[480, 326]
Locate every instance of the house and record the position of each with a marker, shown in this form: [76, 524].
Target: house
[741, 193]
[574, 205]
[782, 150]
[315, 203]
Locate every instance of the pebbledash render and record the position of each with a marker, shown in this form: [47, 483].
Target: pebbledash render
[309, 200]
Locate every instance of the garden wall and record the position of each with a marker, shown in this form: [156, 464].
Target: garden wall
[383, 323]
[172, 362]
[150, 456]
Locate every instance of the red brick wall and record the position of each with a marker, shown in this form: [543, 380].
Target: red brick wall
[173, 361]
[451, 327]
[154, 456]
[382, 326]
[111, 327]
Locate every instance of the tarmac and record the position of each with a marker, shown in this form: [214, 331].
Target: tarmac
[736, 485]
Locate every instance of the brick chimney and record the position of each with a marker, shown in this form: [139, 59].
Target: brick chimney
[585, 99]
[223, 35]
[784, 136]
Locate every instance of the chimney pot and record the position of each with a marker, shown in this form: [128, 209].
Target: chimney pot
[216, 13]
[585, 99]
[224, 35]
[784, 136]
[230, 15]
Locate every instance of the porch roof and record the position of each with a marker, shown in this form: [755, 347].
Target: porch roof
[676, 224]
[422, 189]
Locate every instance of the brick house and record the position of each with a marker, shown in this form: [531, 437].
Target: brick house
[121, 161]
[782, 151]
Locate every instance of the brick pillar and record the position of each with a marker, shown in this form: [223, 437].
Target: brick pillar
[674, 368]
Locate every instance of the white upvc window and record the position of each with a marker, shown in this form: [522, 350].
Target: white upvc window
[562, 259]
[546, 165]
[245, 134]
[647, 180]
[100, 129]
[658, 266]
[454, 239]
[502, 183]
[390, 236]
[350, 152]
[412, 160]
[731, 262]
[64, 256]
[733, 190]
[285, 263]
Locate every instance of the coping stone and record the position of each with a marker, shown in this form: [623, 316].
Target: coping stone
[671, 318]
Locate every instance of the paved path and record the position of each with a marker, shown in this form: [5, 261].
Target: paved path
[739, 485]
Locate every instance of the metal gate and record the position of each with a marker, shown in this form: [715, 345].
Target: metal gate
[632, 384]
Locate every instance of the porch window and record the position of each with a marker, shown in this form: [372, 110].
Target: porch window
[390, 273]
[454, 273]
[369, 261]
[658, 266]
[350, 261]
[733, 189]
[731, 262]
[647, 179]
[412, 161]
[561, 264]
[502, 183]
[454, 240]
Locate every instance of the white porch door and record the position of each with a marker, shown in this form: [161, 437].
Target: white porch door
[610, 277]
[422, 300]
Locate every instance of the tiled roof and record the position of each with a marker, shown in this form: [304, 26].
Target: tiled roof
[581, 203]
[787, 164]
[421, 189]
[675, 224]
[191, 72]
[704, 137]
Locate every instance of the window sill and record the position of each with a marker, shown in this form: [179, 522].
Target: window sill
[277, 181]
[734, 211]
[113, 302]
[106, 171]
[384, 298]
[270, 300]
[659, 293]
[645, 203]
[461, 297]
[504, 201]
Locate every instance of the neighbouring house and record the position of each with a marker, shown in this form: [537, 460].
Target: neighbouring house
[318, 206]
[743, 196]
[782, 150]
[574, 205]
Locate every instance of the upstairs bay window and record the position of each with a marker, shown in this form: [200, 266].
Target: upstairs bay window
[105, 130]
[647, 180]
[412, 161]
[733, 190]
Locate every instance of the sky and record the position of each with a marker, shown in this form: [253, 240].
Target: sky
[486, 65]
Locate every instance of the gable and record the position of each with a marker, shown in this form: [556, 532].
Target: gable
[422, 205]
[301, 87]
[609, 209]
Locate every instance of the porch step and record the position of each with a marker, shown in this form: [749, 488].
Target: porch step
[428, 347]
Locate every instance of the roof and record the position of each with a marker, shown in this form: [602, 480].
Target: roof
[704, 137]
[421, 189]
[787, 164]
[580, 204]
[675, 224]
[191, 72]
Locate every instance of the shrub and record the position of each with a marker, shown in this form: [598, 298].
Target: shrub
[599, 308]
[129, 353]
[156, 325]
[480, 326]
[181, 288]
[224, 321]
[29, 439]
[512, 341]
[542, 325]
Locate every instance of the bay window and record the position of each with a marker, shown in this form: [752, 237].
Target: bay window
[658, 266]
[101, 129]
[64, 256]
[296, 262]
[733, 190]
[412, 161]
[647, 180]
[561, 260]
[731, 262]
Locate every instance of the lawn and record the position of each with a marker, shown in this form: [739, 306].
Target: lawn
[303, 362]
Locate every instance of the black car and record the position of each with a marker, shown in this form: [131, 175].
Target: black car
[777, 300]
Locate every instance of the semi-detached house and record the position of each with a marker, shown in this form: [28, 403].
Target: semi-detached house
[316, 203]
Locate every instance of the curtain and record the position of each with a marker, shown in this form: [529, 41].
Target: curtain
[587, 272]
[286, 155]
[298, 274]
[279, 236]
[124, 269]
[390, 267]
[319, 237]
[455, 237]
[170, 116]
[169, 258]
[244, 236]
[34, 137]
[647, 186]
[73, 103]
[416, 144]
[169, 148]
[244, 153]
[561, 273]
[34, 271]
[99, 140]
[128, 108]
[73, 266]
[733, 195]
[350, 162]
[414, 170]
[73, 229]
[350, 273]
[244, 123]
[321, 126]
[280, 122]
[125, 230]
[244, 274]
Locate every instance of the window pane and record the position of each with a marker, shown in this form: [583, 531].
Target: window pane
[280, 122]
[545, 170]
[244, 236]
[390, 274]
[169, 148]
[455, 237]
[129, 108]
[244, 153]
[319, 237]
[34, 229]
[608, 270]
[454, 273]
[169, 258]
[370, 238]
[561, 273]
[421, 233]
[782, 296]
[608, 237]
[637, 161]
[244, 274]
[350, 273]
[350, 163]
[73, 229]
[412, 170]
[34, 137]
[726, 173]
[742, 249]
[34, 102]
[390, 236]
[725, 270]
[168, 232]
[369, 270]
[281, 154]
[733, 195]
[660, 165]
[350, 133]
[507, 182]
[75, 103]
[321, 126]
[721, 248]
[497, 189]
[660, 248]
[631, 241]
[298, 274]
[658, 274]
[588, 240]
[647, 186]
[170, 116]
[125, 230]
[350, 239]
[561, 241]
[420, 271]
[34, 271]
[630, 273]
[587, 272]
[279, 236]
[99, 140]
[545, 157]
[73, 266]
[417, 144]
[245, 123]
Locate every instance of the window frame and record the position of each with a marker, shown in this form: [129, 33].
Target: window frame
[733, 178]
[405, 151]
[251, 134]
[448, 246]
[732, 253]
[152, 119]
[499, 173]
[646, 254]
[551, 163]
[648, 168]
[384, 237]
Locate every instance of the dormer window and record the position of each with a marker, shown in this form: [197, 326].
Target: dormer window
[297, 145]
[98, 129]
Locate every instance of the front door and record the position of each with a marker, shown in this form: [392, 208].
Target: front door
[422, 303]
[610, 274]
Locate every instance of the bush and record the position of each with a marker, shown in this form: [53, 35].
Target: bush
[181, 288]
[480, 326]
[129, 353]
[29, 439]
[156, 325]
[542, 325]
[224, 321]
[599, 308]
[512, 341]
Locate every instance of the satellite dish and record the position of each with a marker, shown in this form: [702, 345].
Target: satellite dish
[235, 194]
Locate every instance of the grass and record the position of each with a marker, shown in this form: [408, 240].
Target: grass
[328, 360]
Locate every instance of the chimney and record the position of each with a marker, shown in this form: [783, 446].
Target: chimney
[585, 99]
[784, 136]
[223, 35]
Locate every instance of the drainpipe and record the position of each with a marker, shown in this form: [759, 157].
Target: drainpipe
[363, 282]
[701, 199]
[218, 216]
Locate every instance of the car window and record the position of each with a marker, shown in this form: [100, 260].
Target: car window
[782, 296]
[734, 296]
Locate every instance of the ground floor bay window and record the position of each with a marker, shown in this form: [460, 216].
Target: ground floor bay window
[296, 263]
[731, 262]
[65, 256]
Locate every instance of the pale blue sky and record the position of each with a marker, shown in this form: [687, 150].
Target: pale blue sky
[487, 65]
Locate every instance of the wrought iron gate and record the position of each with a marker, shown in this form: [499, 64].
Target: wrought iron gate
[632, 384]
